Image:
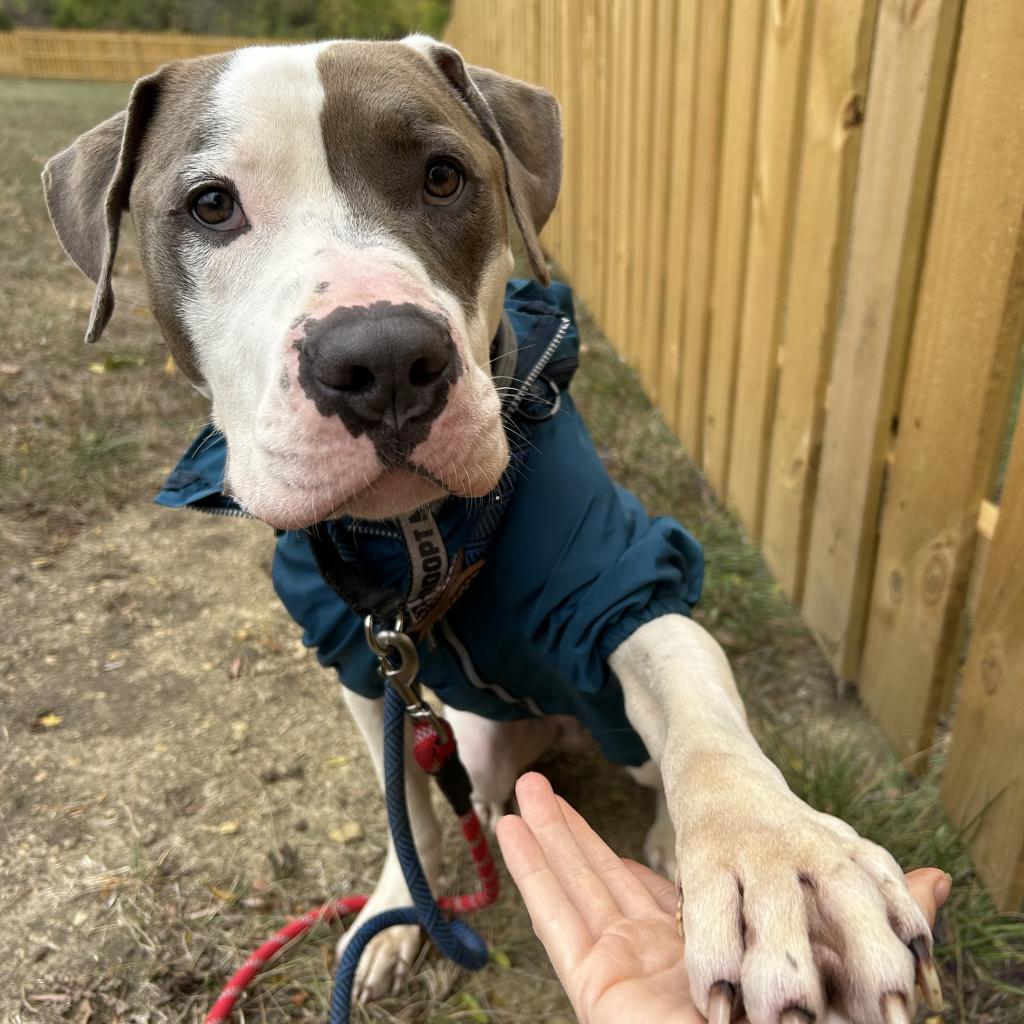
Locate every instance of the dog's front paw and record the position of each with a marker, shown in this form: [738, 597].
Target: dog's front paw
[388, 956]
[794, 912]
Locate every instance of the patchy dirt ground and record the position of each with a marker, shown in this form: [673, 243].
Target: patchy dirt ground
[176, 773]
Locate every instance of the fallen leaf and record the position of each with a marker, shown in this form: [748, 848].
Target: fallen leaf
[228, 828]
[170, 367]
[235, 668]
[499, 957]
[48, 720]
[115, 362]
[336, 762]
[347, 832]
[474, 1011]
[299, 998]
[9, 370]
[222, 894]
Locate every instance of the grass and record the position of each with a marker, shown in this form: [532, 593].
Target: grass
[84, 432]
[81, 426]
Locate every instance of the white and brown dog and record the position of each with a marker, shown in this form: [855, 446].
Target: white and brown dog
[282, 187]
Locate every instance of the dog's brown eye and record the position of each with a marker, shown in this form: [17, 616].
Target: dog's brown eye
[443, 184]
[218, 209]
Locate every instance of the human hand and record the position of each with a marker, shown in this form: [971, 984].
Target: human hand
[608, 924]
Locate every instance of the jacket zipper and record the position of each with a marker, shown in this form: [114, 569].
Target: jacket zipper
[538, 367]
[235, 513]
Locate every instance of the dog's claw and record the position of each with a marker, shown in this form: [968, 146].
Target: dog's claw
[796, 1015]
[927, 976]
[720, 1002]
[894, 1009]
[679, 909]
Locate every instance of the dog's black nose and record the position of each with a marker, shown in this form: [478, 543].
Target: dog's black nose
[384, 369]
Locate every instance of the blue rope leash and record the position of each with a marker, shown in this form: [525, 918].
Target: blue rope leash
[455, 939]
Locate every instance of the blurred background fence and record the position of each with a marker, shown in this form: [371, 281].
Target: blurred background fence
[802, 222]
[101, 56]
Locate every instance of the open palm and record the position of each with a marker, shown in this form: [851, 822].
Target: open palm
[608, 924]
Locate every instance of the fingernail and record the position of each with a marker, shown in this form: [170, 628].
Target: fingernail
[942, 889]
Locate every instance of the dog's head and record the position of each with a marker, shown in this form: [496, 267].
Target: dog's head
[324, 236]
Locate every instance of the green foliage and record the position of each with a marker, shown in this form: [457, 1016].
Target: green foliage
[288, 19]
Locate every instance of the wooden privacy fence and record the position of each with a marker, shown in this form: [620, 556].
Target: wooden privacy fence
[802, 221]
[101, 56]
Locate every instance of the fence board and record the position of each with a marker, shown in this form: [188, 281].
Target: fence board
[605, 117]
[906, 96]
[624, 156]
[956, 395]
[711, 35]
[776, 149]
[590, 226]
[837, 80]
[636, 181]
[650, 290]
[575, 123]
[728, 291]
[674, 255]
[983, 785]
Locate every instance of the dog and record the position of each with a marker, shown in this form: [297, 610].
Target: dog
[324, 231]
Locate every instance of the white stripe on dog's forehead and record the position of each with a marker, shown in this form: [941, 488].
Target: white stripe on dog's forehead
[266, 125]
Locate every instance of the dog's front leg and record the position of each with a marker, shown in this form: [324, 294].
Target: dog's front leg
[783, 904]
[388, 957]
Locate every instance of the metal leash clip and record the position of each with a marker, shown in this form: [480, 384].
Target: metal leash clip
[399, 664]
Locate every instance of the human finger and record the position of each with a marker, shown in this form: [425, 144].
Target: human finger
[556, 921]
[633, 898]
[585, 888]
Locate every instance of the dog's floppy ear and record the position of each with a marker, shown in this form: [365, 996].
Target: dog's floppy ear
[524, 124]
[87, 187]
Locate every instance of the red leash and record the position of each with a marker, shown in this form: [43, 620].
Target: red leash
[431, 754]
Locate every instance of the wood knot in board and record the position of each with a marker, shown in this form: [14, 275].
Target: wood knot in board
[852, 114]
[992, 667]
[896, 586]
[935, 577]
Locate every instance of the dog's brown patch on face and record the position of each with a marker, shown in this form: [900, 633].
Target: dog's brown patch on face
[179, 128]
[387, 113]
